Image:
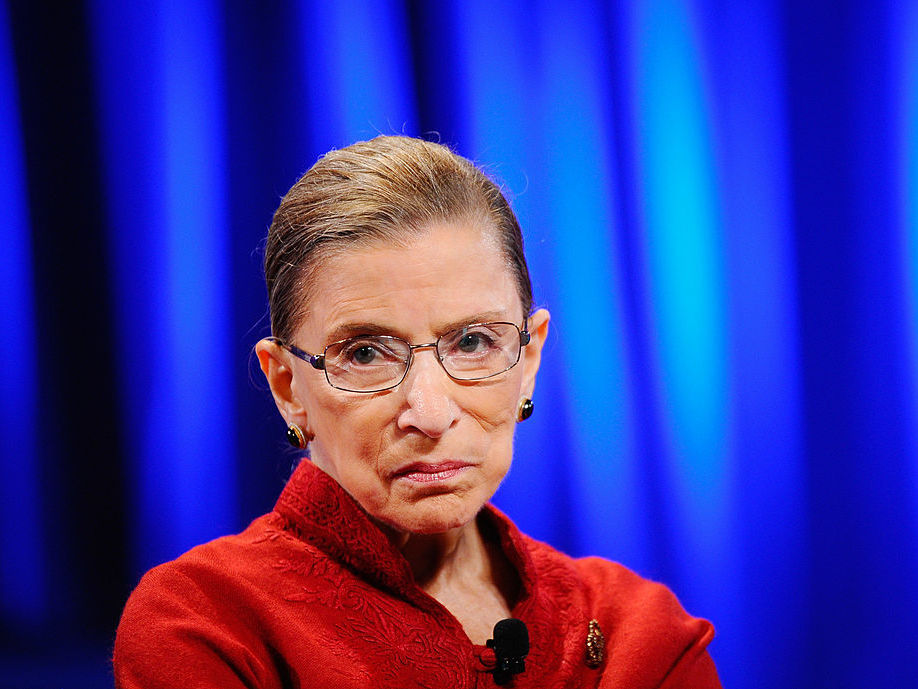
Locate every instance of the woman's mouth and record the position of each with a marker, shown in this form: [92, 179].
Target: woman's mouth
[422, 472]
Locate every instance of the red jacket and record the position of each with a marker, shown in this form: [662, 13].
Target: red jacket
[313, 594]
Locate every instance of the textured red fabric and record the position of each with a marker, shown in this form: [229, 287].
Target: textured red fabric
[314, 595]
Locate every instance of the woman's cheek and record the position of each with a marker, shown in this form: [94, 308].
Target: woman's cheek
[496, 409]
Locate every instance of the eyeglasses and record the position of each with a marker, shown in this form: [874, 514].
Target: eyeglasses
[372, 363]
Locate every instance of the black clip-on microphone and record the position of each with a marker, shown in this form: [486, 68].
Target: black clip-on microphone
[511, 646]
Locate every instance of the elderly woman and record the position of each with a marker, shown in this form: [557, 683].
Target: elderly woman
[404, 353]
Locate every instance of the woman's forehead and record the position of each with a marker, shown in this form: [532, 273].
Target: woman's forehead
[447, 276]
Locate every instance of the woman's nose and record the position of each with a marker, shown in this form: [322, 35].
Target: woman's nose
[429, 406]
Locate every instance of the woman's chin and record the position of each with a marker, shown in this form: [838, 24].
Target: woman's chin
[432, 516]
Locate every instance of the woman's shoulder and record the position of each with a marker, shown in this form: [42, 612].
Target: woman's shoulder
[243, 563]
[199, 580]
[605, 583]
[624, 594]
[614, 584]
[642, 618]
[205, 613]
[641, 622]
[593, 574]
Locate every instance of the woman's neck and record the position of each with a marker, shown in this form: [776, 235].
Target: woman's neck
[459, 553]
[467, 573]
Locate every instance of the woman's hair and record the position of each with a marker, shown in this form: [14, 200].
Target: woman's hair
[389, 189]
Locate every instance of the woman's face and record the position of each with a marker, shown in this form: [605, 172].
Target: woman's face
[425, 456]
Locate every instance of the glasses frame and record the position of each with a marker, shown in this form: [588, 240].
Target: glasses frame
[317, 361]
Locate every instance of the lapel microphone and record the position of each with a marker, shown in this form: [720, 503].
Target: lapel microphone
[511, 645]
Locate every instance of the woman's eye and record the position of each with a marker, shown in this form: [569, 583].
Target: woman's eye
[469, 342]
[473, 342]
[368, 352]
[364, 354]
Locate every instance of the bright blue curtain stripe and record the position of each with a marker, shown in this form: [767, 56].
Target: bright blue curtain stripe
[164, 169]
[358, 76]
[23, 581]
[685, 269]
[907, 32]
[493, 71]
[764, 368]
[581, 211]
[197, 279]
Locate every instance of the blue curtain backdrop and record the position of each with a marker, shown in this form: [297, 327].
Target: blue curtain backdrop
[720, 207]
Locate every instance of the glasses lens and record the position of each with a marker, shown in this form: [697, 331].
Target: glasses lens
[479, 351]
[366, 364]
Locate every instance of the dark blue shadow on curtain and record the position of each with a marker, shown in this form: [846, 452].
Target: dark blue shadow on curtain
[63, 468]
[858, 373]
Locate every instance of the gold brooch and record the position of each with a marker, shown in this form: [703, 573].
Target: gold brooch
[595, 645]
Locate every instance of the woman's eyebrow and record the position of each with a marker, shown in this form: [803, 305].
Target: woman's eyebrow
[346, 330]
[483, 317]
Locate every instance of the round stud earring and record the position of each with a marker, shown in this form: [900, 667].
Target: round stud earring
[524, 411]
[296, 437]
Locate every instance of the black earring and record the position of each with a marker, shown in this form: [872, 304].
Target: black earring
[296, 437]
[524, 411]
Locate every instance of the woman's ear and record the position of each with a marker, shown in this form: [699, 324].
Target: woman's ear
[276, 365]
[532, 353]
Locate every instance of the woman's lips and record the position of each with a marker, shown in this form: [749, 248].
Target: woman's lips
[422, 472]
